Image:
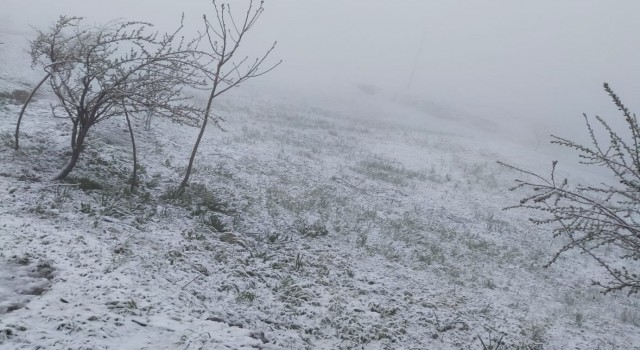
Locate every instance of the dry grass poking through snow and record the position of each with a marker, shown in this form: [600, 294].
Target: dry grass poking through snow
[306, 228]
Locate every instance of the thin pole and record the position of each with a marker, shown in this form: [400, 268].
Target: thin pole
[417, 59]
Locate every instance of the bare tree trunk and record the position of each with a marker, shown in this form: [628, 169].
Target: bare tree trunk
[68, 167]
[207, 113]
[185, 180]
[74, 132]
[75, 155]
[24, 107]
[134, 175]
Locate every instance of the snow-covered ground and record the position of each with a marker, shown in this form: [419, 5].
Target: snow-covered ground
[367, 223]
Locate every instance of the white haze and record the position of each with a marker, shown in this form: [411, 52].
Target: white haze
[532, 67]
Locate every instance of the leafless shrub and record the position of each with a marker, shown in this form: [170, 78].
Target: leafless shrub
[594, 218]
[98, 73]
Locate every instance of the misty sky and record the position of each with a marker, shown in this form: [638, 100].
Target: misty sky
[505, 60]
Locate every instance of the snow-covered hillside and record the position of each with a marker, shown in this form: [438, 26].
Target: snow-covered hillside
[361, 224]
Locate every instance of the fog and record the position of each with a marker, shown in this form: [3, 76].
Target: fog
[531, 66]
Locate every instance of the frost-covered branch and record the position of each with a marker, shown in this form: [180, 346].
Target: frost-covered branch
[591, 218]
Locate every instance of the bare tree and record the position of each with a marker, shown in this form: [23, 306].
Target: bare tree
[134, 152]
[120, 67]
[595, 218]
[224, 37]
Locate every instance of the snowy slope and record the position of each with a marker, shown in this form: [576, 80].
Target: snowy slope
[361, 224]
